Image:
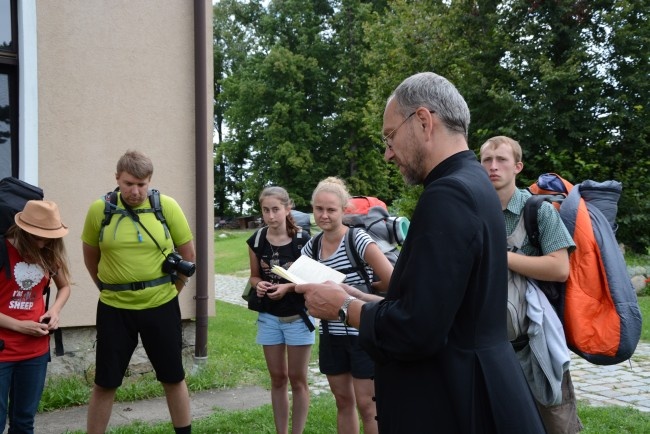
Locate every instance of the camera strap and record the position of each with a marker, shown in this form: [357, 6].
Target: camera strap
[136, 218]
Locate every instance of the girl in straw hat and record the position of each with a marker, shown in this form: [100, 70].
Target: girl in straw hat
[36, 254]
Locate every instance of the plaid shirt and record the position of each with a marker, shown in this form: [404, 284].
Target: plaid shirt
[553, 234]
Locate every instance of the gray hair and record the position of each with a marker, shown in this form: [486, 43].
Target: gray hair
[436, 93]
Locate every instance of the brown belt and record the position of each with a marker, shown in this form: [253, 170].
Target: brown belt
[287, 319]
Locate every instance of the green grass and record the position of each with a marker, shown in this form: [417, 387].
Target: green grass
[644, 306]
[320, 420]
[231, 252]
[62, 392]
[633, 260]
[613, 420]
[235, 360]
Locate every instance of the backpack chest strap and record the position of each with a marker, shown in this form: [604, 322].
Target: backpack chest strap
[110, 208]
[516, 239]
[135, 286]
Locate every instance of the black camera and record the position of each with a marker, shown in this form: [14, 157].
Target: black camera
[174, 263]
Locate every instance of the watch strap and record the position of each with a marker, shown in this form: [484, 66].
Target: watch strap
[344, 309]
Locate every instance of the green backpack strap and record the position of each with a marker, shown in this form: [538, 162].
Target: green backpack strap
[110, 208]
[154, 201]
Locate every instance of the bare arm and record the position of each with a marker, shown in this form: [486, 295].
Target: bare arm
[323, 300]
[364, 296]
[27, 327]
[381, 266]
[553, 267]
[188, 253]
[62, 295]
[256, 276]
[91, 260]
[34, 328]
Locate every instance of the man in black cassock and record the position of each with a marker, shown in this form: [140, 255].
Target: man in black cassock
[443, 360]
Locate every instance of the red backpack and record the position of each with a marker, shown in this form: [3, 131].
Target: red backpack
[362, 204]
[371, 214]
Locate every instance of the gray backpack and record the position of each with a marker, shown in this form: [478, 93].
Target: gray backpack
[517, 319]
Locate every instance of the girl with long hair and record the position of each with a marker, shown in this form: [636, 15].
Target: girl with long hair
[285, 330]
[35, 255]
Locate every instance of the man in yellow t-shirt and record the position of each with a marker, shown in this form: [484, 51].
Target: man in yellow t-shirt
[125, 260]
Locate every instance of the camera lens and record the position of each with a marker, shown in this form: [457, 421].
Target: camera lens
[174, 263]
[187, 268]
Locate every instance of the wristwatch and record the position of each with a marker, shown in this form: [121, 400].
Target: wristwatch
[343, 311]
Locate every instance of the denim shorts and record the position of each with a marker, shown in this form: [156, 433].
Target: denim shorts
[273, 330]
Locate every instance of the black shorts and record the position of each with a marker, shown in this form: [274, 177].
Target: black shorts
[341, 354]
[160, 330]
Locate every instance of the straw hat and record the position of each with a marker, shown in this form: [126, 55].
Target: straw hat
[41, 218]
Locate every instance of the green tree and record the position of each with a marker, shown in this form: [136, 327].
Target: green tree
[577, 77]
[232, 41]
[296, 105]
[553, 83]
[567, 78]
[280, 99]
[453, 39]
[359, 159]
[627, 116]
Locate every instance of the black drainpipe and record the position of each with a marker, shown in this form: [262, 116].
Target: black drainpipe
[203, 268]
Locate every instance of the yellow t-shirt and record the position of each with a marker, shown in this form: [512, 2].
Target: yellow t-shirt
[128, 254]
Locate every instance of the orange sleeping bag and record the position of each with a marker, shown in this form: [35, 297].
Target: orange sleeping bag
[601, 316]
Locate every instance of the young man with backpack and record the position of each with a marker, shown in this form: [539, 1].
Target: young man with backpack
[140, 264]
[502, 159]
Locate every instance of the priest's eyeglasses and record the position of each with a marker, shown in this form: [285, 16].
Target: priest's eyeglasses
[388, 138]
